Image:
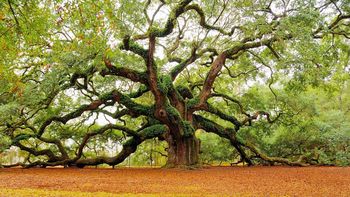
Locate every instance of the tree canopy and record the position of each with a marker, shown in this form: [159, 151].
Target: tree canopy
[269, 76]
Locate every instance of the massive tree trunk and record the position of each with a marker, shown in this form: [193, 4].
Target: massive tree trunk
[183, 152]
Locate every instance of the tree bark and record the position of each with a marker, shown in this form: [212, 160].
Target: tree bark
[183, 152]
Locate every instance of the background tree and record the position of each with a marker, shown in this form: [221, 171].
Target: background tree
[160, 69]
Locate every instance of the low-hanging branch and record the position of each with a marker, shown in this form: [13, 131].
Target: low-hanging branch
[238, 143]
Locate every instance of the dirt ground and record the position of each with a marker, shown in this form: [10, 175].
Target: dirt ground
[216, 181]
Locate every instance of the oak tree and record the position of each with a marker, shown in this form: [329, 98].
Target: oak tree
[158, 69]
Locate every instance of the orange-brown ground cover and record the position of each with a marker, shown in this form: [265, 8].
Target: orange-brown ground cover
[220, 181]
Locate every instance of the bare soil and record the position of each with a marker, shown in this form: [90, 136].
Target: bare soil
[216, 181]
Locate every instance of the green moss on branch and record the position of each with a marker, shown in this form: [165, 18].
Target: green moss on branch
[184, 91]
[188, 129]
[153, 131]
[135, 107]
[192, 102]
[171, 21]
[165, 84]
[133, 46]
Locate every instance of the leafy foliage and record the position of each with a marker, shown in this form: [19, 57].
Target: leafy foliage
[216, 150]
[86, 83]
